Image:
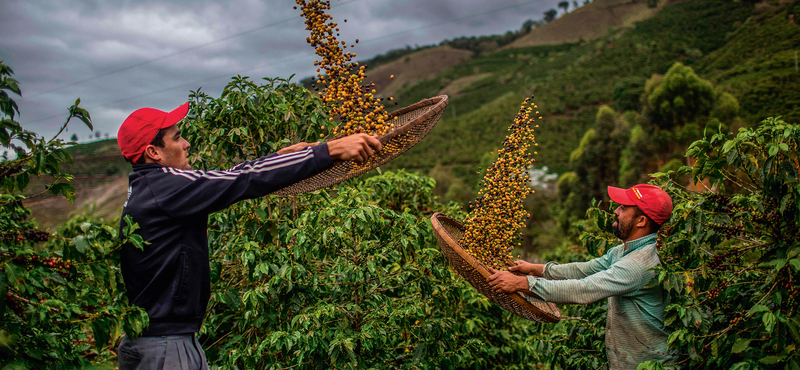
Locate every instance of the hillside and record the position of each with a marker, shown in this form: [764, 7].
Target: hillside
[100, 183]
[415, 67]
[569, 80]
[760, 66]
[743, 50]
[589, 22]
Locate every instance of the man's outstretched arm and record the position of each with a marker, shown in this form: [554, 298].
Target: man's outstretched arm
[185, 193]
[622, 277]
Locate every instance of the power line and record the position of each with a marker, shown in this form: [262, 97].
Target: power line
[454, 20]
[196, 47]
[175, 87]
[278, 62]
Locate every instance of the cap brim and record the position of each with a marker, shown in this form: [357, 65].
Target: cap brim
[176, 115]
[620, 196]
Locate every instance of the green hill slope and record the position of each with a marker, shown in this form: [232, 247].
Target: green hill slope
[759, 65]
[569, 80]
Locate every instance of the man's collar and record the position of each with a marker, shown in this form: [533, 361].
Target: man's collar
[145, 166]
[633, 245]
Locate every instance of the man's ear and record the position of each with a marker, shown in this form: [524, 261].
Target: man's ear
[152, 153]
[641, 221]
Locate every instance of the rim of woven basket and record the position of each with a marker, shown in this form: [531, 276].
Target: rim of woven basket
[523, 304]
[438, 104]
[433, 106]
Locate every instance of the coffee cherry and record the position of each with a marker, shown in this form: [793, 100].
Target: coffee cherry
[497, 213]
[354, 104]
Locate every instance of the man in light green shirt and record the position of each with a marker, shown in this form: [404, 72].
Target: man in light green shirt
[635, 323]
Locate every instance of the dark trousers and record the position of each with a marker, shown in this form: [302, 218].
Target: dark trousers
[166, 352]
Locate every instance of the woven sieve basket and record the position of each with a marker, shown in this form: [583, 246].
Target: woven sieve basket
[412, 124]
[448, 233]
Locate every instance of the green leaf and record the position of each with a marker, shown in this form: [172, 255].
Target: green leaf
[741, 345]
[771, 360]
[773, 149]
[101, 334]
[110, 230]
[769, 321]
[11, 274]
[674, 335]
[81, 114]
[795, 264]
[728, 145]
[649, 365]
[740, 366]
[715, 348]
[22, 180]
[137, 241]
[65, 189]
[757, 309]
[81, 245]
[785, 202]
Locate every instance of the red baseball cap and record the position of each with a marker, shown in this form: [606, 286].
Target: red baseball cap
[653, 201]
[141, 127]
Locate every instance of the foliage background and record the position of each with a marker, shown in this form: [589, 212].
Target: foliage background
[351, 278]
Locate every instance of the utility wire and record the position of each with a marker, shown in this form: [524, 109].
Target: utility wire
[453, 20]
[196, 47]
[179, 86]
[278, 62]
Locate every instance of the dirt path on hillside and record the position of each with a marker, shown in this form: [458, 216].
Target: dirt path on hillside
[103, 200]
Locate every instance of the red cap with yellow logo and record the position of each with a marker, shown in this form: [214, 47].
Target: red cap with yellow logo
[141, 127]
[653, 201]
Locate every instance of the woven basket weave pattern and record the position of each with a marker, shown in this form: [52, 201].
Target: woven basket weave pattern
[448, 233]
[412, 124]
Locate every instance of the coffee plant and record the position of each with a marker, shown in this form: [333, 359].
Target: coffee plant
[730, 259]
[731, 253]
[350, 277]
[62, 296]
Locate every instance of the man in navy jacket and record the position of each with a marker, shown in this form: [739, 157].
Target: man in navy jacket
[169, 278]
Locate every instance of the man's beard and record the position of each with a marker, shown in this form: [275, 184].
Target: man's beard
[623, 230]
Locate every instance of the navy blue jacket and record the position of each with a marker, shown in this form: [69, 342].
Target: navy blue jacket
[170, 277]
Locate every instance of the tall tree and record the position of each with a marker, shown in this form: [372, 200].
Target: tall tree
[527, 26]
[679, 98]
[596, 160]
[550, 15]
[564, 5]
[628, 92]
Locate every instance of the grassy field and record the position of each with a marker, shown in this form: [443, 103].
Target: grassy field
[759, 66]
[589, 22]
[570, 82]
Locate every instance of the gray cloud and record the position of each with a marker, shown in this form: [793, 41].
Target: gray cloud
[53, 44]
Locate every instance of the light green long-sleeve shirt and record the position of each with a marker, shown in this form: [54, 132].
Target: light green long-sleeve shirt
[635, 323]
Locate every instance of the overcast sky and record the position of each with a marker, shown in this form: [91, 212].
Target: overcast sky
[118, 56]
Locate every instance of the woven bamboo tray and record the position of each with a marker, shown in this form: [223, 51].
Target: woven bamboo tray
[448, 233]
[412, 124]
